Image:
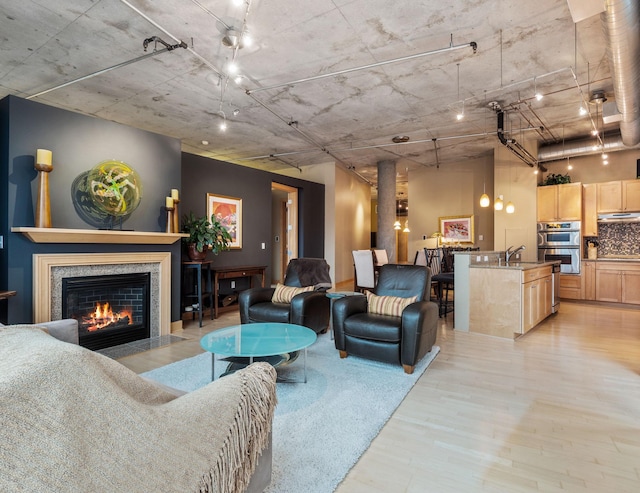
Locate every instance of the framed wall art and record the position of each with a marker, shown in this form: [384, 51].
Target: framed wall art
[228, 212]
[456, 229]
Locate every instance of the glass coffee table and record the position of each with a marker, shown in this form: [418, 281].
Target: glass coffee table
[275, 343]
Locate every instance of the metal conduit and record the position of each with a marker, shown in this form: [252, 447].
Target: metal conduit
[105, 70]
[472, 44]
[158, 26]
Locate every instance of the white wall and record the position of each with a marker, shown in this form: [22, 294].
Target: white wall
[589, 169]
[517, 182]
[452, 190]
[347, 215]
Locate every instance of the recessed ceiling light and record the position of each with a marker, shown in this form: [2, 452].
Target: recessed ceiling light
[205, 142]
[398, 139]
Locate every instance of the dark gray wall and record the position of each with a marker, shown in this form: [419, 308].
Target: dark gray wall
[203, 175]
[78, 143]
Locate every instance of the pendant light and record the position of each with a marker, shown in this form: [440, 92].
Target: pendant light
[485, 201]
[499, 203]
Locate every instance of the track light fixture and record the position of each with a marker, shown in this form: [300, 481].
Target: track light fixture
[538, 95]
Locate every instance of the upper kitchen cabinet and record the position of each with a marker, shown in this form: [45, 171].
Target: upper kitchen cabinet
[590, 212]
[618, 196]
[560, 202]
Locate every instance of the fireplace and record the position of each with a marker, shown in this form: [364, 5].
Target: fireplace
[110, 309]
[50, 269]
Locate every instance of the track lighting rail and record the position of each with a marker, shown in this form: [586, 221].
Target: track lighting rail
[451, 47]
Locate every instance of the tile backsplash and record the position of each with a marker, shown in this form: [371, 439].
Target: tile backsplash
[616, 239]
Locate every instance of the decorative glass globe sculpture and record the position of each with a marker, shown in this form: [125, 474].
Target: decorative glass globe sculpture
[115, 188]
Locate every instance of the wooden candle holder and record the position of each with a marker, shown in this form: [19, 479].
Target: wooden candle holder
[43, 204]
[169, 219]
[176, 216]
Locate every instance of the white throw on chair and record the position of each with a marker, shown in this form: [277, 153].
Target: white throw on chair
[380, 257]
[364, 270]
[421, 258]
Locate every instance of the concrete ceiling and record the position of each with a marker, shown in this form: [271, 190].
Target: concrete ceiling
[349, 116]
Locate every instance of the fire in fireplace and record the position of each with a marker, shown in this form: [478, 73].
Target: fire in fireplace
[110, 309]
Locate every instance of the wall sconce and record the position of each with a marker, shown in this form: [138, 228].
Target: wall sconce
[397, 225]
[406, 227]
[499, 203]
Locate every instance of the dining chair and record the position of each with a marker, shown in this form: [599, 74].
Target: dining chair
[380, 257]
[421, 258]
[364, 270]
[440, 263]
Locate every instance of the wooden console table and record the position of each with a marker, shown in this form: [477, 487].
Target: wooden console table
[201, 292]
[247, 271]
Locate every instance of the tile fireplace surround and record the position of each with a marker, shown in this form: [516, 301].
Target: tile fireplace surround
[50, 269]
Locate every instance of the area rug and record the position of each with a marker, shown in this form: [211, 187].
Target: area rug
[322, 427]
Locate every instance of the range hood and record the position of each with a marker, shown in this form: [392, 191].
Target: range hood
[619, 217]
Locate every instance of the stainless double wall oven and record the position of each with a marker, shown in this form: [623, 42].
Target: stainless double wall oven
[560, 241]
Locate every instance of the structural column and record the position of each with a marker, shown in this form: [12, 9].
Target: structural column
[386, 237]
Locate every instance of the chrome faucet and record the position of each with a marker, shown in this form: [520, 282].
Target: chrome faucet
[508, 253]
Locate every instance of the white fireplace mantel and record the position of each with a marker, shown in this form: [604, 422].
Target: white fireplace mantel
[64, 235]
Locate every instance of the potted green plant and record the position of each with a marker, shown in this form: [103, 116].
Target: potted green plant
[204, 234]
[556, 179]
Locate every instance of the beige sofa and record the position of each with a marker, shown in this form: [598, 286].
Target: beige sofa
[74, 420]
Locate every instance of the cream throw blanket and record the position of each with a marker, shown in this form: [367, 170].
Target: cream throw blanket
[72, 420]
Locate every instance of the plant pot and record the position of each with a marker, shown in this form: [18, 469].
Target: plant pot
[193, 253]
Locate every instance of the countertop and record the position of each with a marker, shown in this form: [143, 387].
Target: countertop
[615, 258]
[514, 265]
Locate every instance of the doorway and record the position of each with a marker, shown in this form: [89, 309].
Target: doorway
[285, 228]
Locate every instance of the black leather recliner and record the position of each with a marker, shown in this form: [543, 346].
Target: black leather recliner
[310, 309]
[404, 339]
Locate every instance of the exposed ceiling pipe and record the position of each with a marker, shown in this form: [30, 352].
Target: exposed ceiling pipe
[514, 146]
[621, 23]
[580, 147]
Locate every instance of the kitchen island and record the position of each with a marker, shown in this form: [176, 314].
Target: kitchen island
[509, 299]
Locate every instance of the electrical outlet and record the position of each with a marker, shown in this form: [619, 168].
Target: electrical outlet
[478, 258]
[263, 246]
[233, 284]
[486, 258]
[480, 237]
[1, 242]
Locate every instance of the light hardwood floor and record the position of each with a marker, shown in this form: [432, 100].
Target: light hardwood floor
[557, 410]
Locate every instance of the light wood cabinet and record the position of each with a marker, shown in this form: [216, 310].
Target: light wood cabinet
[631, 195]
[589, 210]
[618, 196]
[588, 274]
[536, 297]
[570, 286]
[508, 302]
[618, 282]
[631, 287]
[560, 202]
[609, 196]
